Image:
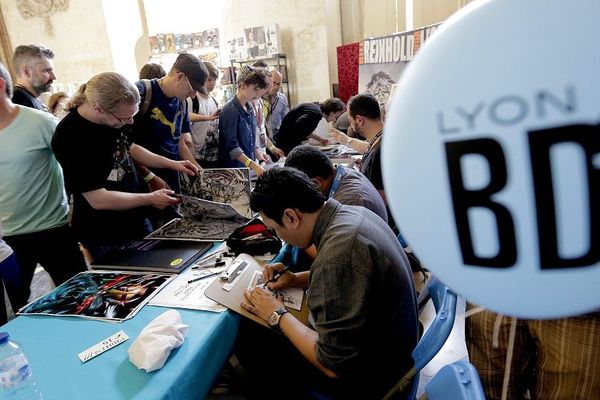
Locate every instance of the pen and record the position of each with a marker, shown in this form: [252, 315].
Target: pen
[218, 255]
[215, 265]
[203, 276]
[276, 276]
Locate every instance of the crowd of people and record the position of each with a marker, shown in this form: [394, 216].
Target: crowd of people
[99, 169]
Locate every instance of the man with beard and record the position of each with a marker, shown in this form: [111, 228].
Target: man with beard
[278, 104]
[35, 74]
[33, 204]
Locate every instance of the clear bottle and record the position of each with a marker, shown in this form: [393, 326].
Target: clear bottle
[16, 381]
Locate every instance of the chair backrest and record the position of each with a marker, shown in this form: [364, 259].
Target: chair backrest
[444, 302]
[456, 381]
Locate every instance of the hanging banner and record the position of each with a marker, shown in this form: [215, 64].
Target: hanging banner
[383, 59]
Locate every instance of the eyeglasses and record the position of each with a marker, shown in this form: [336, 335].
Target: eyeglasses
[189, 84]
[123, 120]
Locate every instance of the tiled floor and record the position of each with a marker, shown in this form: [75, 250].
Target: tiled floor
[453, 350]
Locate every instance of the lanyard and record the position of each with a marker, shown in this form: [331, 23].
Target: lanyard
[372, 143]
[256, 106]
[340, 172]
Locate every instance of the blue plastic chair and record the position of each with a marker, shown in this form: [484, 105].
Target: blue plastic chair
[444, 302]
[456, 381]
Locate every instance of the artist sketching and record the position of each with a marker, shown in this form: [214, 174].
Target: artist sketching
[376, 303]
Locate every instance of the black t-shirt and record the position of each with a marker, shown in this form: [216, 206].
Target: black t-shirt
[371, 166]
[297, 124]
[93, 157]
[23, 97]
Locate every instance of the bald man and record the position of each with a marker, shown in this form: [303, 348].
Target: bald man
[278, 104]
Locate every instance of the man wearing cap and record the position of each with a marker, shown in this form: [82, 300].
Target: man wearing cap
[163, 125]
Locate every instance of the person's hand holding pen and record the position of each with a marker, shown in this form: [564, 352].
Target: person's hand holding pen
[277, 276]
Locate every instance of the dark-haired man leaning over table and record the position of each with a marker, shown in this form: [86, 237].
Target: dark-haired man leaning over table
[361, 298]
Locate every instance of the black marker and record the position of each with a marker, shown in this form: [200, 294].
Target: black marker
[276, 276]
[203, 276]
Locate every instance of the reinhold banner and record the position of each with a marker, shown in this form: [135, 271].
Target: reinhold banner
[383, 59]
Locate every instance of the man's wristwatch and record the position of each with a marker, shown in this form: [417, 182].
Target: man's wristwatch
[275, 317]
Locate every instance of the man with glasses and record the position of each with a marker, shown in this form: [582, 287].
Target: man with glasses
[33, 204]
[165, 127]
[277, 104]
[96, 155]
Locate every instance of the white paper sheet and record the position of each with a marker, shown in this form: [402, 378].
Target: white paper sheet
[181, 294]
[292, 297]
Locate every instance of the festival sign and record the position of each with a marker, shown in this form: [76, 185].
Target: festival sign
[491, 156]
[383, 59]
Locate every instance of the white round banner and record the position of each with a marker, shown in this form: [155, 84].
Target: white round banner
[491, 155]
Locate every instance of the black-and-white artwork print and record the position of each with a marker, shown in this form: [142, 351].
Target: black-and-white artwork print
[292, 297]
[223, 185]
[203, 220]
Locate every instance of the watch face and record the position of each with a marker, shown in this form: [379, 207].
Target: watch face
[274, 318]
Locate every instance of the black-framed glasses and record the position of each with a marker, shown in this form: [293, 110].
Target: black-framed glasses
[123, 120]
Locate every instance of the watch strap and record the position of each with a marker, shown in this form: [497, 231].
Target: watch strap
[280, 311]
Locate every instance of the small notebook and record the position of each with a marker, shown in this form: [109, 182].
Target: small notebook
[171, 256]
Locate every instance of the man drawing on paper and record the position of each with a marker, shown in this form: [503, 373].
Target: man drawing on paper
[360, 296]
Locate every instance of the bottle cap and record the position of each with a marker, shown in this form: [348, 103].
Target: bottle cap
[4, 337]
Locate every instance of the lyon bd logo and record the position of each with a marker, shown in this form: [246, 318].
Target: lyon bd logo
[584, 141]
[491, 156]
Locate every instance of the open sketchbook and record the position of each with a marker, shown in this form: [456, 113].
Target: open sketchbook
[103, 295]
[203, 221]
[222, 185]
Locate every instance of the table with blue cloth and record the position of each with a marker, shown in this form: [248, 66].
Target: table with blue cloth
[52, 343]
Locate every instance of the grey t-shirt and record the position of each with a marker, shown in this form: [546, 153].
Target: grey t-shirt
[356, 190]
[362, 300]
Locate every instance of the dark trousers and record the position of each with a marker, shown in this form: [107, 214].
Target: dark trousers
[3, 315]
[10, 277]
[278, 368]
[55, 249]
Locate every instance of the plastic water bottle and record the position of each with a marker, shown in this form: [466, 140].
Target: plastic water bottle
[16, 381]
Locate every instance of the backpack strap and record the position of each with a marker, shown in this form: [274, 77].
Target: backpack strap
[195, 105]
[147, 96]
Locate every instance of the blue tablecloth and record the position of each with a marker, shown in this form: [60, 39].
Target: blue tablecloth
[52, 343]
